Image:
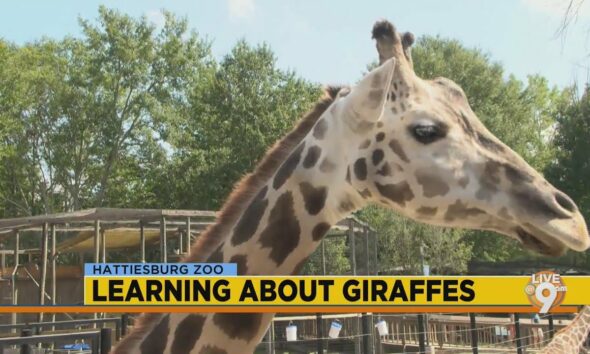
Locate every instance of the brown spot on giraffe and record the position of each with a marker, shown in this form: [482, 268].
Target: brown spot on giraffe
[319, 131]
[432, 185]
[187, 333]
[327, 166]
[242, 326]
[380, 136]
[490, 179]
[427, 211]
[248, 223]
[360, 169]
[320, 230]
[377, 156]
[155, 342]
[314, 198]
[282, 232]
[241, 261]
[398, 150]
[217, 256]
[516, 176]
[489, 143]
[288, 167]
[385, 170]
[466, 125]
[313, 155]
[458, 210]
[365, 193]
[463, 181]
[399, 193]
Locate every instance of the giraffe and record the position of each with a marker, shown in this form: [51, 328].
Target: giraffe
[571, 338]
[411, 145]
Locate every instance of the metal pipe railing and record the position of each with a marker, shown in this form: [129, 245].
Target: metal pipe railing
[36, 326]
[95, 338]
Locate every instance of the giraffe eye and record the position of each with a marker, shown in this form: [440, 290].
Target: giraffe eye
[428, 133]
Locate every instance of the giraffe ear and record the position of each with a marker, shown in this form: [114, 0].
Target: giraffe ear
[365, 103]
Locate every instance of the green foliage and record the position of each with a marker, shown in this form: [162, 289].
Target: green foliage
[336, 258]
[241, 110]
[85, 114]
[400, 239]
[570, 171]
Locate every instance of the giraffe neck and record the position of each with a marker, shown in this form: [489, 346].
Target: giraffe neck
[276, 233]
[291, 213]
[571, 338]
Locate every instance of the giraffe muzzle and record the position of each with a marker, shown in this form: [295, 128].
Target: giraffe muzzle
[536, 244]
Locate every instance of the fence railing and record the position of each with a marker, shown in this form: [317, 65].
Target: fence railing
[101, 340]
[37, 327]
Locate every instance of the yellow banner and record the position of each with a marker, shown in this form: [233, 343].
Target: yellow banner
[329, 291]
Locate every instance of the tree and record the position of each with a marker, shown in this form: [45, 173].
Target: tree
[235, 115]
[86, 112]
[570, 171]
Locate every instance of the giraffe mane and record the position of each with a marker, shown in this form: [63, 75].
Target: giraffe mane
[238, 199]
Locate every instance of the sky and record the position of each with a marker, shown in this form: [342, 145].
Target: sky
[329, 41]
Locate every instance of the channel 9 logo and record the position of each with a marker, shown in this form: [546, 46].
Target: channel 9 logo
[545, 290]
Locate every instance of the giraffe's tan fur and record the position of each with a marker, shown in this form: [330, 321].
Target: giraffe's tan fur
[412, 145]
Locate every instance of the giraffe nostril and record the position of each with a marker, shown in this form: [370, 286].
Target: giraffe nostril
[565, 202]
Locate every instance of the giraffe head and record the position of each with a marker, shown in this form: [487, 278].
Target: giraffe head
[417, 147]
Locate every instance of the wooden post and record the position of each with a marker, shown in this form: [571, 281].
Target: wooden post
[180, 243]
[96, 251]
[142, 241]
[352, 245]
[124, 324]
[103, 245]
[106, 340]
[474, 345]
[53, 271]
[188, 236]
[44, 242]
[323, 256]
[26, 348]
[320, 333]
[517, 330]
[15, 275]
[368, 260]
[367, 334]
[421, 334]
[551, 327]
[269, 340]
[376, 254]
[163, 246]
[96, 241]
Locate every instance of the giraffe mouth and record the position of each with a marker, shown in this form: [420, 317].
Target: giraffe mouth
[540, 243]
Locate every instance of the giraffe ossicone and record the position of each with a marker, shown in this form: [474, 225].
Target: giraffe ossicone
[409, 144]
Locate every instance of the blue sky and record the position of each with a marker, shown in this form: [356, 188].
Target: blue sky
[328, 41]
